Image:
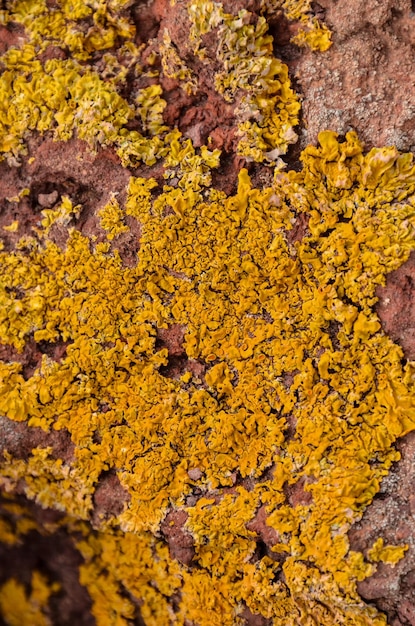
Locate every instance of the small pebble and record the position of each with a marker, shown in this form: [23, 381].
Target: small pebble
[47, 199]
[195, 473]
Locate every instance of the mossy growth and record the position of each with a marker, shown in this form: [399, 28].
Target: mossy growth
[288, 380]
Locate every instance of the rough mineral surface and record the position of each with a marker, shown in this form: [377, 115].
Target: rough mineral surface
[207, 328]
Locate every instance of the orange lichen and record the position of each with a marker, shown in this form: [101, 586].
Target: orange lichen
[17, 608]
[230, 266]
[257, 311]
[387, 554]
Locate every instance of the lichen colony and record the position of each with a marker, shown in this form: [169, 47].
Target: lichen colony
[287, 383]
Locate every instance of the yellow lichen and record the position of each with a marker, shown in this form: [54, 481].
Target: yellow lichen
[64, 25]
[231, 264]
[268, 109]
[317, 37]
[257, 311]
[312, 32]
[62, 215]
[18, 608]
[13, 227]
[111, 217]
[151, 107]
[387, 554]
[174, 66]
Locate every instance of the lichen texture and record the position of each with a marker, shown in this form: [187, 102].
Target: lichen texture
[232, 380]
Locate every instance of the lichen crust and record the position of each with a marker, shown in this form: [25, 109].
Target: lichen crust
[276, 425]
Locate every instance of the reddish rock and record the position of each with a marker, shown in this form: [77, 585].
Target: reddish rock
[48, 199]
[366, 80]
[179, 540]
[252, 619]
[195, 473]
[19, 439]
[260, 527]
[396, 306]
[392, 517]
[172, 339]
[12, 35]
[299, 229]
[296, 494]
[53, 52]
[109, 498]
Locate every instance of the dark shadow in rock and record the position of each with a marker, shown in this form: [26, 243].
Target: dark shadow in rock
[47, 193]
[282, 30]
[146, 21]
[267, 537]
[55, 350]
[225, 177]
[54, 555]
[128, 244]
[176, 367]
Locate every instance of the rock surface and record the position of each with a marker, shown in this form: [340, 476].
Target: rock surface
[365, 81]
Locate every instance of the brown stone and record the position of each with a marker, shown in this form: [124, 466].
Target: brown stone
[179, 540]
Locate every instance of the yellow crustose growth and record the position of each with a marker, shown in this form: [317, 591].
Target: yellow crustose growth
[20, 609]
[288, 378]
